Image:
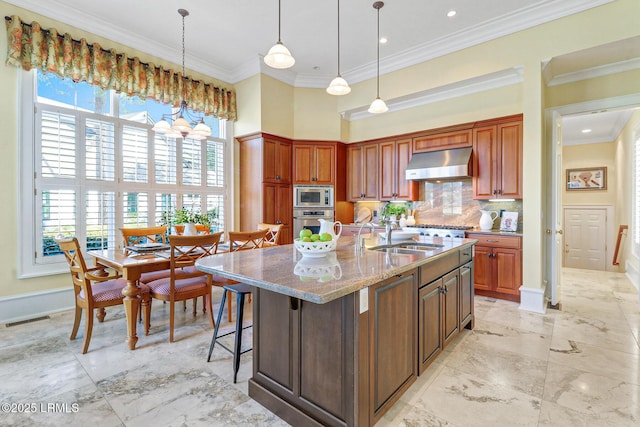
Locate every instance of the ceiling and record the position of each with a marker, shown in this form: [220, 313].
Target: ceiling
[227, 39]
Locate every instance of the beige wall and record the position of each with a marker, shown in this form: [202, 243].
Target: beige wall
[290, 112]
[588, 156]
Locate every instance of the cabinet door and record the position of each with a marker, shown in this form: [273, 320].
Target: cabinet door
[508, 274]
[370, 169]
[284, 213]
[484, 162]
[440, 141]
[430, 338]
[393, 332]
[303, 172]
[325, 165]
[354, 173]
[466, 295]
[276, 161]
[482, 276]
[509, 153]
[406, 190]
[451, 303]
[388, 173]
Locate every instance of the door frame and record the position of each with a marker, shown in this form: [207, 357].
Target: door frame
[555, 179]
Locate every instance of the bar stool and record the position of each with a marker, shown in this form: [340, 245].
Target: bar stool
[240, 290]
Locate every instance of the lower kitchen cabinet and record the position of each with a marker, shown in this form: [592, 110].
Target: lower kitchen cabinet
[498, 266]
[445, 305]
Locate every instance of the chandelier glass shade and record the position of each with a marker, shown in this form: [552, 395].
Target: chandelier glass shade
[279, 56]
[378, 105]
[181, 124]
[338, 85]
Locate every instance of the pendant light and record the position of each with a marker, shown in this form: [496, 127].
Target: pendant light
[180, 127]
[338, 86]
[378, 106]
[279, 56]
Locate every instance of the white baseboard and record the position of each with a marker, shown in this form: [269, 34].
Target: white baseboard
[632, 274]
[532, 299]
[37, 304]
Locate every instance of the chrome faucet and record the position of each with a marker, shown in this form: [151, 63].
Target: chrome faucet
[389, 226]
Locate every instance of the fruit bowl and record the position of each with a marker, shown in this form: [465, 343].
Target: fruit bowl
[315, 249]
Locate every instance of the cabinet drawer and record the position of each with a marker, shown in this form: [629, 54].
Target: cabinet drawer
[497, 241]
[466, 255]
[439, 267]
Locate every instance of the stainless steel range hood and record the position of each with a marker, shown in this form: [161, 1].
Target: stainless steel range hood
[443, 164]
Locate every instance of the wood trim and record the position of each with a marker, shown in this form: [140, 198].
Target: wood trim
[621, 230]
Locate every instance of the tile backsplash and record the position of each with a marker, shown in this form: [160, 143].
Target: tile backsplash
[449, 203]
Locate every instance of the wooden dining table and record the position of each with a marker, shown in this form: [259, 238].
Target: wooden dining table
[130, 265]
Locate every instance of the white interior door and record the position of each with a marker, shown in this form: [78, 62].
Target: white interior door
[585, 238]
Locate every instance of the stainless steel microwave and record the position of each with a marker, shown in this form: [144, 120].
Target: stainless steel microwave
[317, 196]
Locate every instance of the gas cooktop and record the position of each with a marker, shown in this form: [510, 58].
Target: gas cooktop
[442, 227]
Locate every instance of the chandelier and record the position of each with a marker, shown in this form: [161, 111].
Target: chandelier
[181, 124]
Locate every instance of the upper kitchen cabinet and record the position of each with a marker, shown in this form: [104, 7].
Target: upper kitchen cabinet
[497, 162]
[443, 139]
[277, 160]
[394, 158]
[363, 176]
[314, 163]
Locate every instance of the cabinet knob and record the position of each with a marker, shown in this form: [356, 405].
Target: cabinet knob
[495, 192]
[278, 222]
[277, 176]
[499, 192]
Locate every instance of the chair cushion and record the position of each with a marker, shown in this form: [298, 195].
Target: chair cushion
[162, 286]
[221, 281]
[154, 275]
[111, 290]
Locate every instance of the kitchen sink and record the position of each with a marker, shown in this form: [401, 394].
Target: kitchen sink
[406, 248]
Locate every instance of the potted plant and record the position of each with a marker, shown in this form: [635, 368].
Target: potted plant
[184, 217]
[391, 211]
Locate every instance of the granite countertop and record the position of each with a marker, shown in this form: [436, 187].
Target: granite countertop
[284, 270]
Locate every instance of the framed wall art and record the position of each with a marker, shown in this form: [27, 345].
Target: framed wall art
[587, 179]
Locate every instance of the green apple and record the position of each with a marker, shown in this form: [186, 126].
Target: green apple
[305, 239]
[315, 237]
[305, 232]
[326, 237]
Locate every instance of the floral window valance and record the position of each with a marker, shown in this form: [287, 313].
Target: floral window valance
[29, 46]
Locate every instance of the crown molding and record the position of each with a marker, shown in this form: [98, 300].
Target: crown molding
[489, 81]
[590, 73]
[525, 18]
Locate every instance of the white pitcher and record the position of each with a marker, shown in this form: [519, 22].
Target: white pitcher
[487, 218]
[330, 227]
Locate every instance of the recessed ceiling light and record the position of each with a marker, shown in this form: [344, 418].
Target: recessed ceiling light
[586, 130]
[383, 40]
[451, 13]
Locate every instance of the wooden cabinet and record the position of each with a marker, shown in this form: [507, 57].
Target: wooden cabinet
[498, 160]
[498, 266]
[362, 176]
[314, 164]
[393, 340]
[265, 183]
[277, 160]
[442, 139]
[278, 200]
[394, 158]
[466, 294]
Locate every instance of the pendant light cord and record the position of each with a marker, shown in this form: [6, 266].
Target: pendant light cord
[378, 46]
[338, 37]
[279, 19]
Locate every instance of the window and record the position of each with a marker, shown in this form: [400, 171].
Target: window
[94, 165]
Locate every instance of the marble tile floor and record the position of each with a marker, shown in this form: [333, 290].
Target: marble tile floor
[578, 366]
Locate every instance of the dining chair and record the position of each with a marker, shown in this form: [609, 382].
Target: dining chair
[273, 235]
[94, 290]
[137, 235]
[185, 281]
[203, 229]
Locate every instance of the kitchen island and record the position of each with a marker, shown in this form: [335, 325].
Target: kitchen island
[337, 340]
